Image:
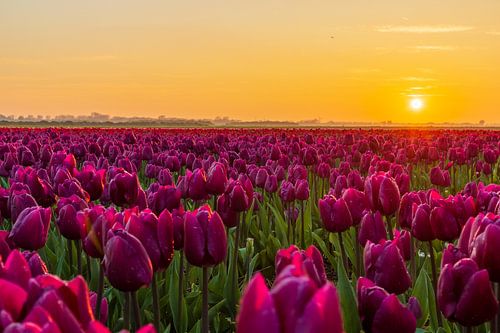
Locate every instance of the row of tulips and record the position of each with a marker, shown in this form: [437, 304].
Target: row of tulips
[164, 225]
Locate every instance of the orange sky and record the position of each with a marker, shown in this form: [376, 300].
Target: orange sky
[252, 60]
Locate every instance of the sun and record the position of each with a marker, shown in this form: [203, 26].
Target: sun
[416, 104]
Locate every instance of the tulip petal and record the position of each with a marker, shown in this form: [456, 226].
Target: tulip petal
[322, 313]
[216, 239]
[392, 316]
[257, 311]
[477, 303]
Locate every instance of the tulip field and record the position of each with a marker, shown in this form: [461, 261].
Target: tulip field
[249, 230]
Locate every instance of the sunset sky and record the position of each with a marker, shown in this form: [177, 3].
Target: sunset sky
[333, 60]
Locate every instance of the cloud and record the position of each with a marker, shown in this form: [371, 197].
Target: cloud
[418, 79]
[423, 29]
[494, 33]
[433, 48]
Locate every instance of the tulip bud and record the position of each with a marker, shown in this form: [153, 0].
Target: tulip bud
[421, 227]
[381, 312]
[357, 203]
[383, 193]
[104, 306]
[124, 189]
[372, 229]
[389, 196]
[384, 265]
[308, 262]
[465, 295]
[485, 251]
[228, 216]
[405, 214]
[92, 181]
[205, 241]
[31, 228]
[95, 223]
[451, 255]
[294, 304]
[261, 177]
[36, 264]
[443, 224]
[334, 214]
[178, 223]
[216, 179]
[287, 192]
[271, 185]
[19, 202]
[66, 220]
[126, 262]
[301, 190]
[166, 197]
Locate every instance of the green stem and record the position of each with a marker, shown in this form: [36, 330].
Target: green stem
[70, 254]
[413, 265]
[78, 245]
[434, 282]
[342, 252]
[235, 257]
[181, 289]
[126, 311]
[389, 227]
[156, 304]
[204, 313]
[302, 227]
[89, 268]
[100, 291]
[135, 307]
[357, 246]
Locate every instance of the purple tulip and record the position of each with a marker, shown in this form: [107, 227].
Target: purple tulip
[126, 263]
[205, 242]
[216, 179]
[372, 229]
[294, 304]
[334, 214]
[308, 262]
[381, 312]
[357, 203]
[31, 228]
[385, 266]
[465, 295]
[124, 189]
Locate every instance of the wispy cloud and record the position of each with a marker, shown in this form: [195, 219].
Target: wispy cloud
[418, 79]
[423, 29]
[494, 33]
[433, 48]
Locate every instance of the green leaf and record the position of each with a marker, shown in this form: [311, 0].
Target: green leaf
[420, 291]
[281, 225]
[324, 249]
[352, 323]
[173, 294]
[432, 304]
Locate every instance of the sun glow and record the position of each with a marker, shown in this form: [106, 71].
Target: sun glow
[416, 104]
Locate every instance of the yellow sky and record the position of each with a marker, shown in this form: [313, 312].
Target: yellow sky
[252, 60]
